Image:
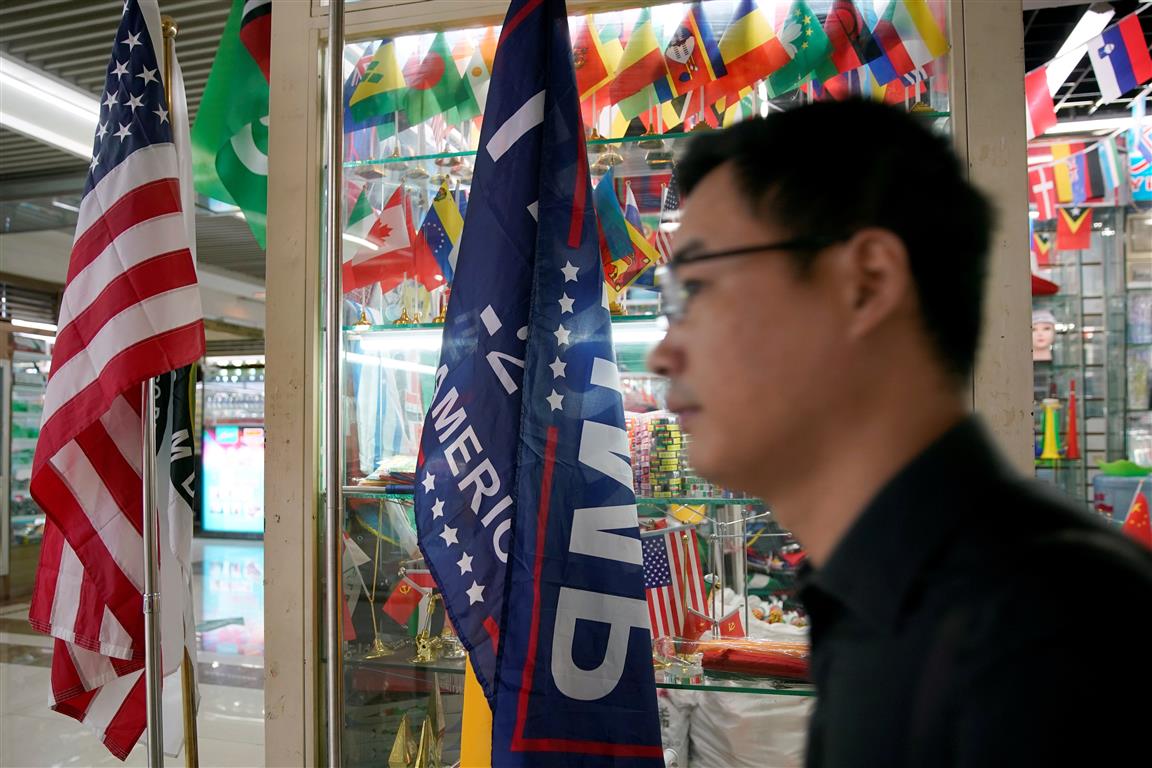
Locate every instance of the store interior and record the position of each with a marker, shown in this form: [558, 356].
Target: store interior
[730, 655]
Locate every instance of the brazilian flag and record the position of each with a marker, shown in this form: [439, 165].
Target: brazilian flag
[230, 136]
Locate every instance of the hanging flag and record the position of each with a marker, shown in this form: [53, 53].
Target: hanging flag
[909, 35]
[130, 312]
[1136, 523]
[1074, 229]
[695, 625]
[594, 60]
[1061, 171]
[434, 86]
[804, 44]
[669, 212]
[256, 34]
[747, 53]
[388, 255]
[691, 57]
[440, 232]
[642, 64]
[1040, 112]
[230, 137]
[1042, 248]
[1109, 165]
[673, 580]
[1120, 58]
[380, 93]
[527, 423]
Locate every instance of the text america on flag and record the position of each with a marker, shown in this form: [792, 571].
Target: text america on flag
[527, 426]
[130, 311]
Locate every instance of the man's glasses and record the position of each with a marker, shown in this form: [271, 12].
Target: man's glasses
[674, 295]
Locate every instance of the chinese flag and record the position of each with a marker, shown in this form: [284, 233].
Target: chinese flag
[1136, 524]
[695, 624]
[732, 625]
[403, 601]
[1073, 232]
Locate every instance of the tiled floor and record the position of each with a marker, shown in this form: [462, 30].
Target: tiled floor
[229, 603]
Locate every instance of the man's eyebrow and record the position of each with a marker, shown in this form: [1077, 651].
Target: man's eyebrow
[684, 253]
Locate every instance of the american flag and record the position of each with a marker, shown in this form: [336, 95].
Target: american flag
[669, 212]
[130, 311]
[673, 580]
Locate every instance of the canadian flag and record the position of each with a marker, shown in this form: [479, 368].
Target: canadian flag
[385, 255]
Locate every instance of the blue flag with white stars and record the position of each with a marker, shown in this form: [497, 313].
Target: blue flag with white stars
[524, 502]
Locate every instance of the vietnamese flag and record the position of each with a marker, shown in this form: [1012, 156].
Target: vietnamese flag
[1073, 229]
[1136, 524]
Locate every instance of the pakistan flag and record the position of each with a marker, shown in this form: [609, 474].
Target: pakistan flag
[230, 136]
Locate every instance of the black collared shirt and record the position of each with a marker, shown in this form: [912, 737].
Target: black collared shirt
[970, 618]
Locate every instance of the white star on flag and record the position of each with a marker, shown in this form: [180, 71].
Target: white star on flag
[110, 99]
[95, 162]
[562, 335]
[162, 114]
[132, 40]
[465, 563]
[135, 101]
[566, 304]
[102, 131]
[438, 509]
[121, 69]
[557, 368]
[555, 400]
[569, 272]
[449, 536]
[429, 481]
[475, 593]
[149, 75]
[124, 132]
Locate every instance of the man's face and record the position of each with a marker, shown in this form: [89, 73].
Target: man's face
[755, 357]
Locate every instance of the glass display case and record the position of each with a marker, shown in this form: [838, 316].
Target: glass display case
[408, 164]
[406, 180]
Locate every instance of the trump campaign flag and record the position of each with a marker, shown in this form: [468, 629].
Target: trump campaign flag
[130, 312]
[524, 502]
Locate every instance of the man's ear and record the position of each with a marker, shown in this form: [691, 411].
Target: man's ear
[876, 279]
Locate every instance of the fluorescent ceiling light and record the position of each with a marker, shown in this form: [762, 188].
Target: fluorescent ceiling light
[33, 324]
[1091, 24]
[428, 339]
[1088, 126]
[37, 336]
[65, 206]
[47, 109]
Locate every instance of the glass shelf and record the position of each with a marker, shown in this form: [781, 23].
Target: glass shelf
[393, 493]
[639, 139]
[719, 682]
[356, 330]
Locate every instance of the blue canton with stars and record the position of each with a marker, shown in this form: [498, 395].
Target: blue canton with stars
[133, 110]
[526, 431]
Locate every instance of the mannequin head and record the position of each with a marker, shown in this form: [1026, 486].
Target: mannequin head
[1043, 334]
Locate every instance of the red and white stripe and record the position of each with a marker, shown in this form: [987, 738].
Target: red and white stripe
[130, 311]
[667, 606]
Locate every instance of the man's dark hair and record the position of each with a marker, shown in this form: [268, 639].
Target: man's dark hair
[830, 169]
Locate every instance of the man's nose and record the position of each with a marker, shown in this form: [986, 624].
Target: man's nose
[665, 357]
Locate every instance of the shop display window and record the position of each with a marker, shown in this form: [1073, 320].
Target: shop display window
[413, 111]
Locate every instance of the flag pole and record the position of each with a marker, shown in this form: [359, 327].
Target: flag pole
[169, 29]
[333, 523]
[155, 712]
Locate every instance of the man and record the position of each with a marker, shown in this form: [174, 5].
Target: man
[824, 301]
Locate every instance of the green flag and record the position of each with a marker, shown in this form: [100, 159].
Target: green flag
[230, 137]
[434, 86]
[805, 43]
